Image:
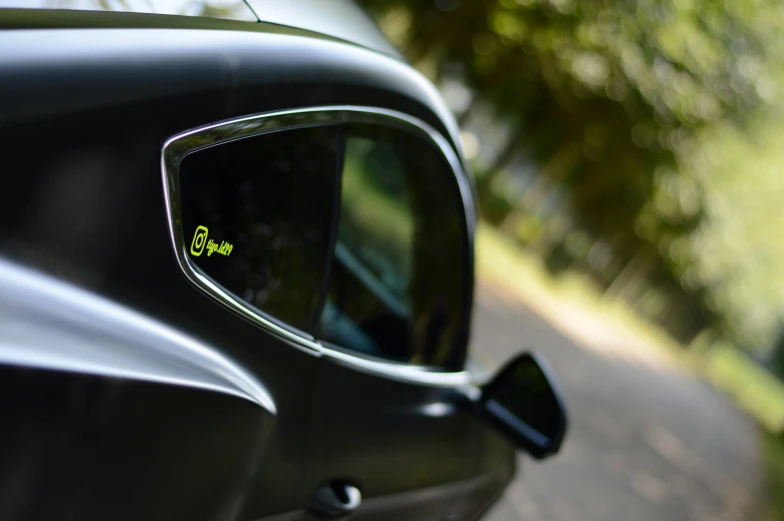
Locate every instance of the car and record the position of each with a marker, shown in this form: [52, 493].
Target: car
[236, 274]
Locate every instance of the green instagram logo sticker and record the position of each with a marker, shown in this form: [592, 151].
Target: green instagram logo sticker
[199, 241]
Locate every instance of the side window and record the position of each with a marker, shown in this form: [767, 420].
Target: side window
[256, 218]
[397, 288]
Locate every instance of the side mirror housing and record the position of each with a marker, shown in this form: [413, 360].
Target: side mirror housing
[524, 403]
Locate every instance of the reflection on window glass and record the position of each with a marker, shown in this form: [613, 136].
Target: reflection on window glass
[381, 204]
[397, 286]
[256, 218]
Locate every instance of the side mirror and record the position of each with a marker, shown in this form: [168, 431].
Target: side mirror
[523, 402]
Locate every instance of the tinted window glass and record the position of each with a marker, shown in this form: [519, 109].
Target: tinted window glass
[256, 218]
[398, 276]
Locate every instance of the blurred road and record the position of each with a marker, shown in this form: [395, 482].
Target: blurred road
[645, 442]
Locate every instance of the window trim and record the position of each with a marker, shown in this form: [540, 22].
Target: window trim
[176, 148]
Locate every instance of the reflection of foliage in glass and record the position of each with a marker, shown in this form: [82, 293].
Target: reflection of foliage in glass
[401, 221]
[376, 220]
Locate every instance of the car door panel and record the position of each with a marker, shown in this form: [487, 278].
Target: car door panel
[406, 446]
[108, 413]
[95, 448]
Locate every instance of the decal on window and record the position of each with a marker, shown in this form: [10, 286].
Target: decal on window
[200, 239]
[273, 197]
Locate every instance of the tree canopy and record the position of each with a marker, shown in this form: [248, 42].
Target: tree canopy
[655, 121]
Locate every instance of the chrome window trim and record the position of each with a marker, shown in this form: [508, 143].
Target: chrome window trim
[176, 148]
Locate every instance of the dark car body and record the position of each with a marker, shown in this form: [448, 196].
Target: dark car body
[136, 386]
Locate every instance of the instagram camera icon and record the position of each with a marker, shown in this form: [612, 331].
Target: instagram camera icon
[199, 240]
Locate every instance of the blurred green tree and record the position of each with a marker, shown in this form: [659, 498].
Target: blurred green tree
[610, 100]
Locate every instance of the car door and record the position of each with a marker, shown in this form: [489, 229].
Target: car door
[251, 225]
[394, 415]
[152, 294]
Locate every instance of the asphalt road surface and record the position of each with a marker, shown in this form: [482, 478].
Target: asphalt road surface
[646, 441]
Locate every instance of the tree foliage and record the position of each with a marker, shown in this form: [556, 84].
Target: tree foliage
[633, 111]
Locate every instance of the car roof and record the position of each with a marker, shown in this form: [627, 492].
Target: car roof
[338, 19]
[341, 19]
